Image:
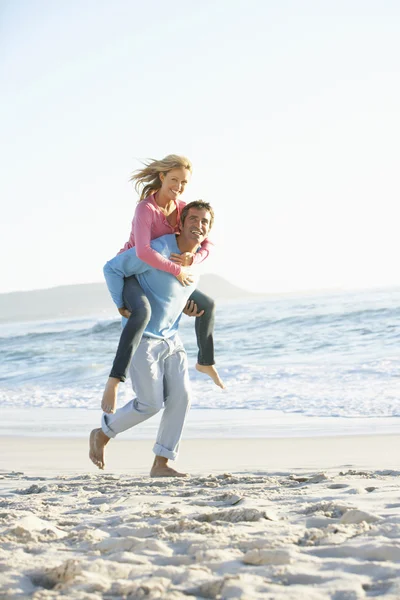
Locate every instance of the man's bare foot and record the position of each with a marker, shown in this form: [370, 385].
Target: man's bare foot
[212, 372]
[160, 468]
[109, 401]
[97, 442]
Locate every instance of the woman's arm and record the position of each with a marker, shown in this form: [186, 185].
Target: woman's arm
[144, 216]
[187, 259]
[115, 270]
[203, 253]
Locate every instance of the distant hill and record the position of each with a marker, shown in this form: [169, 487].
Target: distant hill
[87, 299]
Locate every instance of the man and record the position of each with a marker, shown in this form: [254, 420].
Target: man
[158, 369]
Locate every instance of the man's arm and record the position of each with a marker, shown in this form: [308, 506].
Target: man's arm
[123, 265]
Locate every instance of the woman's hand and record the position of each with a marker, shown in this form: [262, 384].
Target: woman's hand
[185, 277]
[124, 312]
[191, 309]
[185, 259]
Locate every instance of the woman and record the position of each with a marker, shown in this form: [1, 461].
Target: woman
[160, 184]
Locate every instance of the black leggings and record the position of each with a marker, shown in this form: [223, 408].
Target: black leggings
[137, 303]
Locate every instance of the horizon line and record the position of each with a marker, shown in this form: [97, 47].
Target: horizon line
[247, 291]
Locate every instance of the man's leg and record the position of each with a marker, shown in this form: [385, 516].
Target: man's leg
[176, 405]
[147, 373]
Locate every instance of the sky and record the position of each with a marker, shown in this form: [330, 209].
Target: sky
[289, 112]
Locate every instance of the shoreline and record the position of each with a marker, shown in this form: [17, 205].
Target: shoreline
[50, 456]
[75, 423]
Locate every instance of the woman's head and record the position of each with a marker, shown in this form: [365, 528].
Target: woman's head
[170, 173]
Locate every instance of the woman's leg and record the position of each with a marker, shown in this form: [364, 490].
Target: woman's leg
[138, 305]
[204, 326]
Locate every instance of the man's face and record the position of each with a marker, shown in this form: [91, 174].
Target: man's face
[196, 226]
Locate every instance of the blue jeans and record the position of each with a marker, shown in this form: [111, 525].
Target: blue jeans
[138, 305]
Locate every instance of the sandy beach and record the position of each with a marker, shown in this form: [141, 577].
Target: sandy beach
[293, 518]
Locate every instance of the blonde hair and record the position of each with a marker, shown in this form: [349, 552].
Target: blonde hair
[147, 180]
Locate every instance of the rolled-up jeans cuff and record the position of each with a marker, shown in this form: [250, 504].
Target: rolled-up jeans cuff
[161, 451]
[105, 428]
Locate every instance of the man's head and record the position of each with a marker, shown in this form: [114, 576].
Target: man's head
[196, 221]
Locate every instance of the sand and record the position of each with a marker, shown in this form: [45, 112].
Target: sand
[300, 519]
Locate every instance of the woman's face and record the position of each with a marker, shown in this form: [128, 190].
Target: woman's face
[173, 182]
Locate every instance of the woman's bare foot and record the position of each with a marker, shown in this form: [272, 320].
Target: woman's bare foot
[109, 401]
[160, 468]
[212, 372]
[97, 442]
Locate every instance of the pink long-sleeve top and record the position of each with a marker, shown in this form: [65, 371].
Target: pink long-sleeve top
[149, 223]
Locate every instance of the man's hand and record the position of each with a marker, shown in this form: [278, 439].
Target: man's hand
[185, 259]
[185, 277]
[124, 312]
[191, 309]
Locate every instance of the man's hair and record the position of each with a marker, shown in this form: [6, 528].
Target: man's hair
[200, 204]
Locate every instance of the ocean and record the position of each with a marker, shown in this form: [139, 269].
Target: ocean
[292, 365]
